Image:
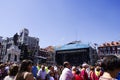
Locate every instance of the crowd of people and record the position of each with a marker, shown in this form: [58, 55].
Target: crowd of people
[108, 69]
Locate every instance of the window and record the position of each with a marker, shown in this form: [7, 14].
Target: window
[9, 55]
[109, 50]
[15, 58]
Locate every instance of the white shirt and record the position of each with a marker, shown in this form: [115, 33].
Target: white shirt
[66, 74]
[51, 78]
[9, 78]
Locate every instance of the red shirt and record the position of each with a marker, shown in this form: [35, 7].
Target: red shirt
[84, 74]
[93, 76]
[78, 77]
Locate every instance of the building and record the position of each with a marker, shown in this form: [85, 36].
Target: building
[22, 41]
[0, 47]
[1, 39]
[109, 48]
[10, 52]
[51, 55]
[32, 43]
[76, 53]
[5, 44]
[13, 54]
[42, 55]
[46, 55]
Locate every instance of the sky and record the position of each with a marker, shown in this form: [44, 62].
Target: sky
[57, 22]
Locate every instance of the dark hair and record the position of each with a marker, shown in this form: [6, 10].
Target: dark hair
[49, 66]
[23, 68]
[13, 70]
[77, 71]
[92, 68]
[98, 68]
[110, 63]
[24, 65]
[65, 64]
[2, 66]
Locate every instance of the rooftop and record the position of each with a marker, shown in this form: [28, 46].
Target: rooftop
[73, 45]
[113, 43]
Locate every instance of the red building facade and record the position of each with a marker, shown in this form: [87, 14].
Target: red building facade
[109, 48]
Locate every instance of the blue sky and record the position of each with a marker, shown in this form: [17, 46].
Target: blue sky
[57, 22]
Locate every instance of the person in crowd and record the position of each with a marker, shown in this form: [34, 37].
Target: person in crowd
[7, 66]
[3, 72]
[111, 67]
[46, 68]
[34, 70]
[51, 69]
[60, 69]
[25, 71]
[98, 71]
[38, 66]
[56, 74]
[74, 70]
[66, 73]
[118, 76]
[42, 73]
[80, 67]
[84, 74]
[92, 75]
[51, 75]
[77, 75]
[13, 69]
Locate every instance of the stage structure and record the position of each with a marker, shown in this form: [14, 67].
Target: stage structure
[76, 53]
